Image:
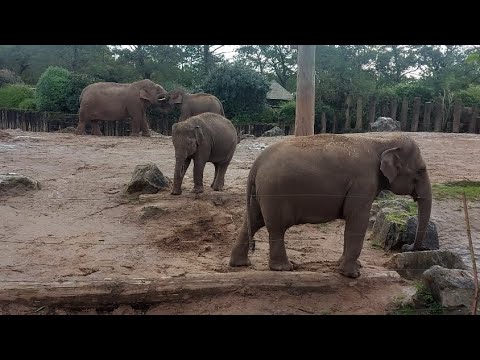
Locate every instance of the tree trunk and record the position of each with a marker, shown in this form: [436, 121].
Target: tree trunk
[348, 103]
[305, 103]
[393, 107]
[438, 115]
[472, 128]
[371, 110]
[324, 123]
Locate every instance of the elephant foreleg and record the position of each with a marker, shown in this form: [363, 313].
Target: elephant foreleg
[356, 224]
[144, 127]
[220, 176]
[96, 128]
[198, 167]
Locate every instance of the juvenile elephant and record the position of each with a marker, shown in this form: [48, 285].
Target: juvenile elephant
[207, 137]
[319, 178]
[111, 101]
[194, 104]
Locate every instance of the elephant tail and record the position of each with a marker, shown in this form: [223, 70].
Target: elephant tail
[250, 191]
[221, 108]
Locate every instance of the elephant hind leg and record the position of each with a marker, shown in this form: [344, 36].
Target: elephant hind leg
[80, 130]
[278, 254]
[239, 255]
[220, 176]
[214, 176]
[96, 128]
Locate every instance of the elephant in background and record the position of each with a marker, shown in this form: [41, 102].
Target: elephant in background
[111, 101]
[194, 104]
[319, 178]
[207, 137]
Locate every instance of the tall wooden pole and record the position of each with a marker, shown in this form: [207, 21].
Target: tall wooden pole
[305, 108]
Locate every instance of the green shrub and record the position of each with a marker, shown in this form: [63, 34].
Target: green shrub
[241, 89]
[470, 96]
[28, 104]
[11, 96]
[59, 90]
[9, 77]
[286, 113]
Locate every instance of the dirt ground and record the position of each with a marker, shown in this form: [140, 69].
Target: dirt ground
[80, 226]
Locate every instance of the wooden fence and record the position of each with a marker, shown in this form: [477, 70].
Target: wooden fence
[412, 115]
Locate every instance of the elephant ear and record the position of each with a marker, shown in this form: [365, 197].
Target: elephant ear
[176, 98]
[390, 163]
[147, 95]
[199, 135]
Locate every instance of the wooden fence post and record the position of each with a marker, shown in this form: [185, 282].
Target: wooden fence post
[438, 115]
[416, 114]
[404, 114]
[457, 114]
[324, 123]
[393, 107]
[359, 123]
[472, 127]
[426, 116]
[347, 112]
[371, 111]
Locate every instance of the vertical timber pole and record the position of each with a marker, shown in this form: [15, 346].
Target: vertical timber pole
[305, 103]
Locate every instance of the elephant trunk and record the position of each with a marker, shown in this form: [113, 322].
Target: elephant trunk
[423, 191]
[178, 176]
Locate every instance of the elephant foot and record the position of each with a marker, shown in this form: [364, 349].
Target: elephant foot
[217, 188]
[239, 256]
[280, 265]
[350, 270]
[147, 134]
[197, 190]
[176, 192]
[339, 261]
[77, 132]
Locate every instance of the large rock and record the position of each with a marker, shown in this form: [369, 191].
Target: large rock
[452, 288]
[431, 237]
[15, 183]
[147, 179]
[412, 264]
[385, 124]
[275, 131]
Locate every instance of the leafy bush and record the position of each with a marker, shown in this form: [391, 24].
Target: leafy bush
[11, 96]
[413, 89]
[470, 96]
[267, 115]
[28, 104]
[286, 113]
[59, 90]
[241, 89]
[9, 77]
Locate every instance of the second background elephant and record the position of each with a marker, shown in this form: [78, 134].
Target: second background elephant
[194, 104]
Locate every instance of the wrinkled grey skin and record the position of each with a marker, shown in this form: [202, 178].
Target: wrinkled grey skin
[110, 101]
[204, 138]
[319, 178]
[194, 104]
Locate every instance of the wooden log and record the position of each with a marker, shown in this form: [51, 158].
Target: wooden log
[90, 294]
[457, 114]
[305, 103]
[334, 123]
[404, 114]
[359, 123]
[426, 116]
[416, 114]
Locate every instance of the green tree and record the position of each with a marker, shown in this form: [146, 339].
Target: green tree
[241, 89]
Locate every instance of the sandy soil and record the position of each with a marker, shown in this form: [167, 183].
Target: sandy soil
[80, 226]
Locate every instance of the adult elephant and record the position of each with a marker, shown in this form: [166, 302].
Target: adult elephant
[111, 101]
[203, 138]
[319, 178]
[194, 104]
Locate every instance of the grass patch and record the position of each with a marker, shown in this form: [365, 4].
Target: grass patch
[423, 304]
[456, 189]
[401, 216]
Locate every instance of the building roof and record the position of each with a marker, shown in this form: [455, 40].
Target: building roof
[278, 92]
